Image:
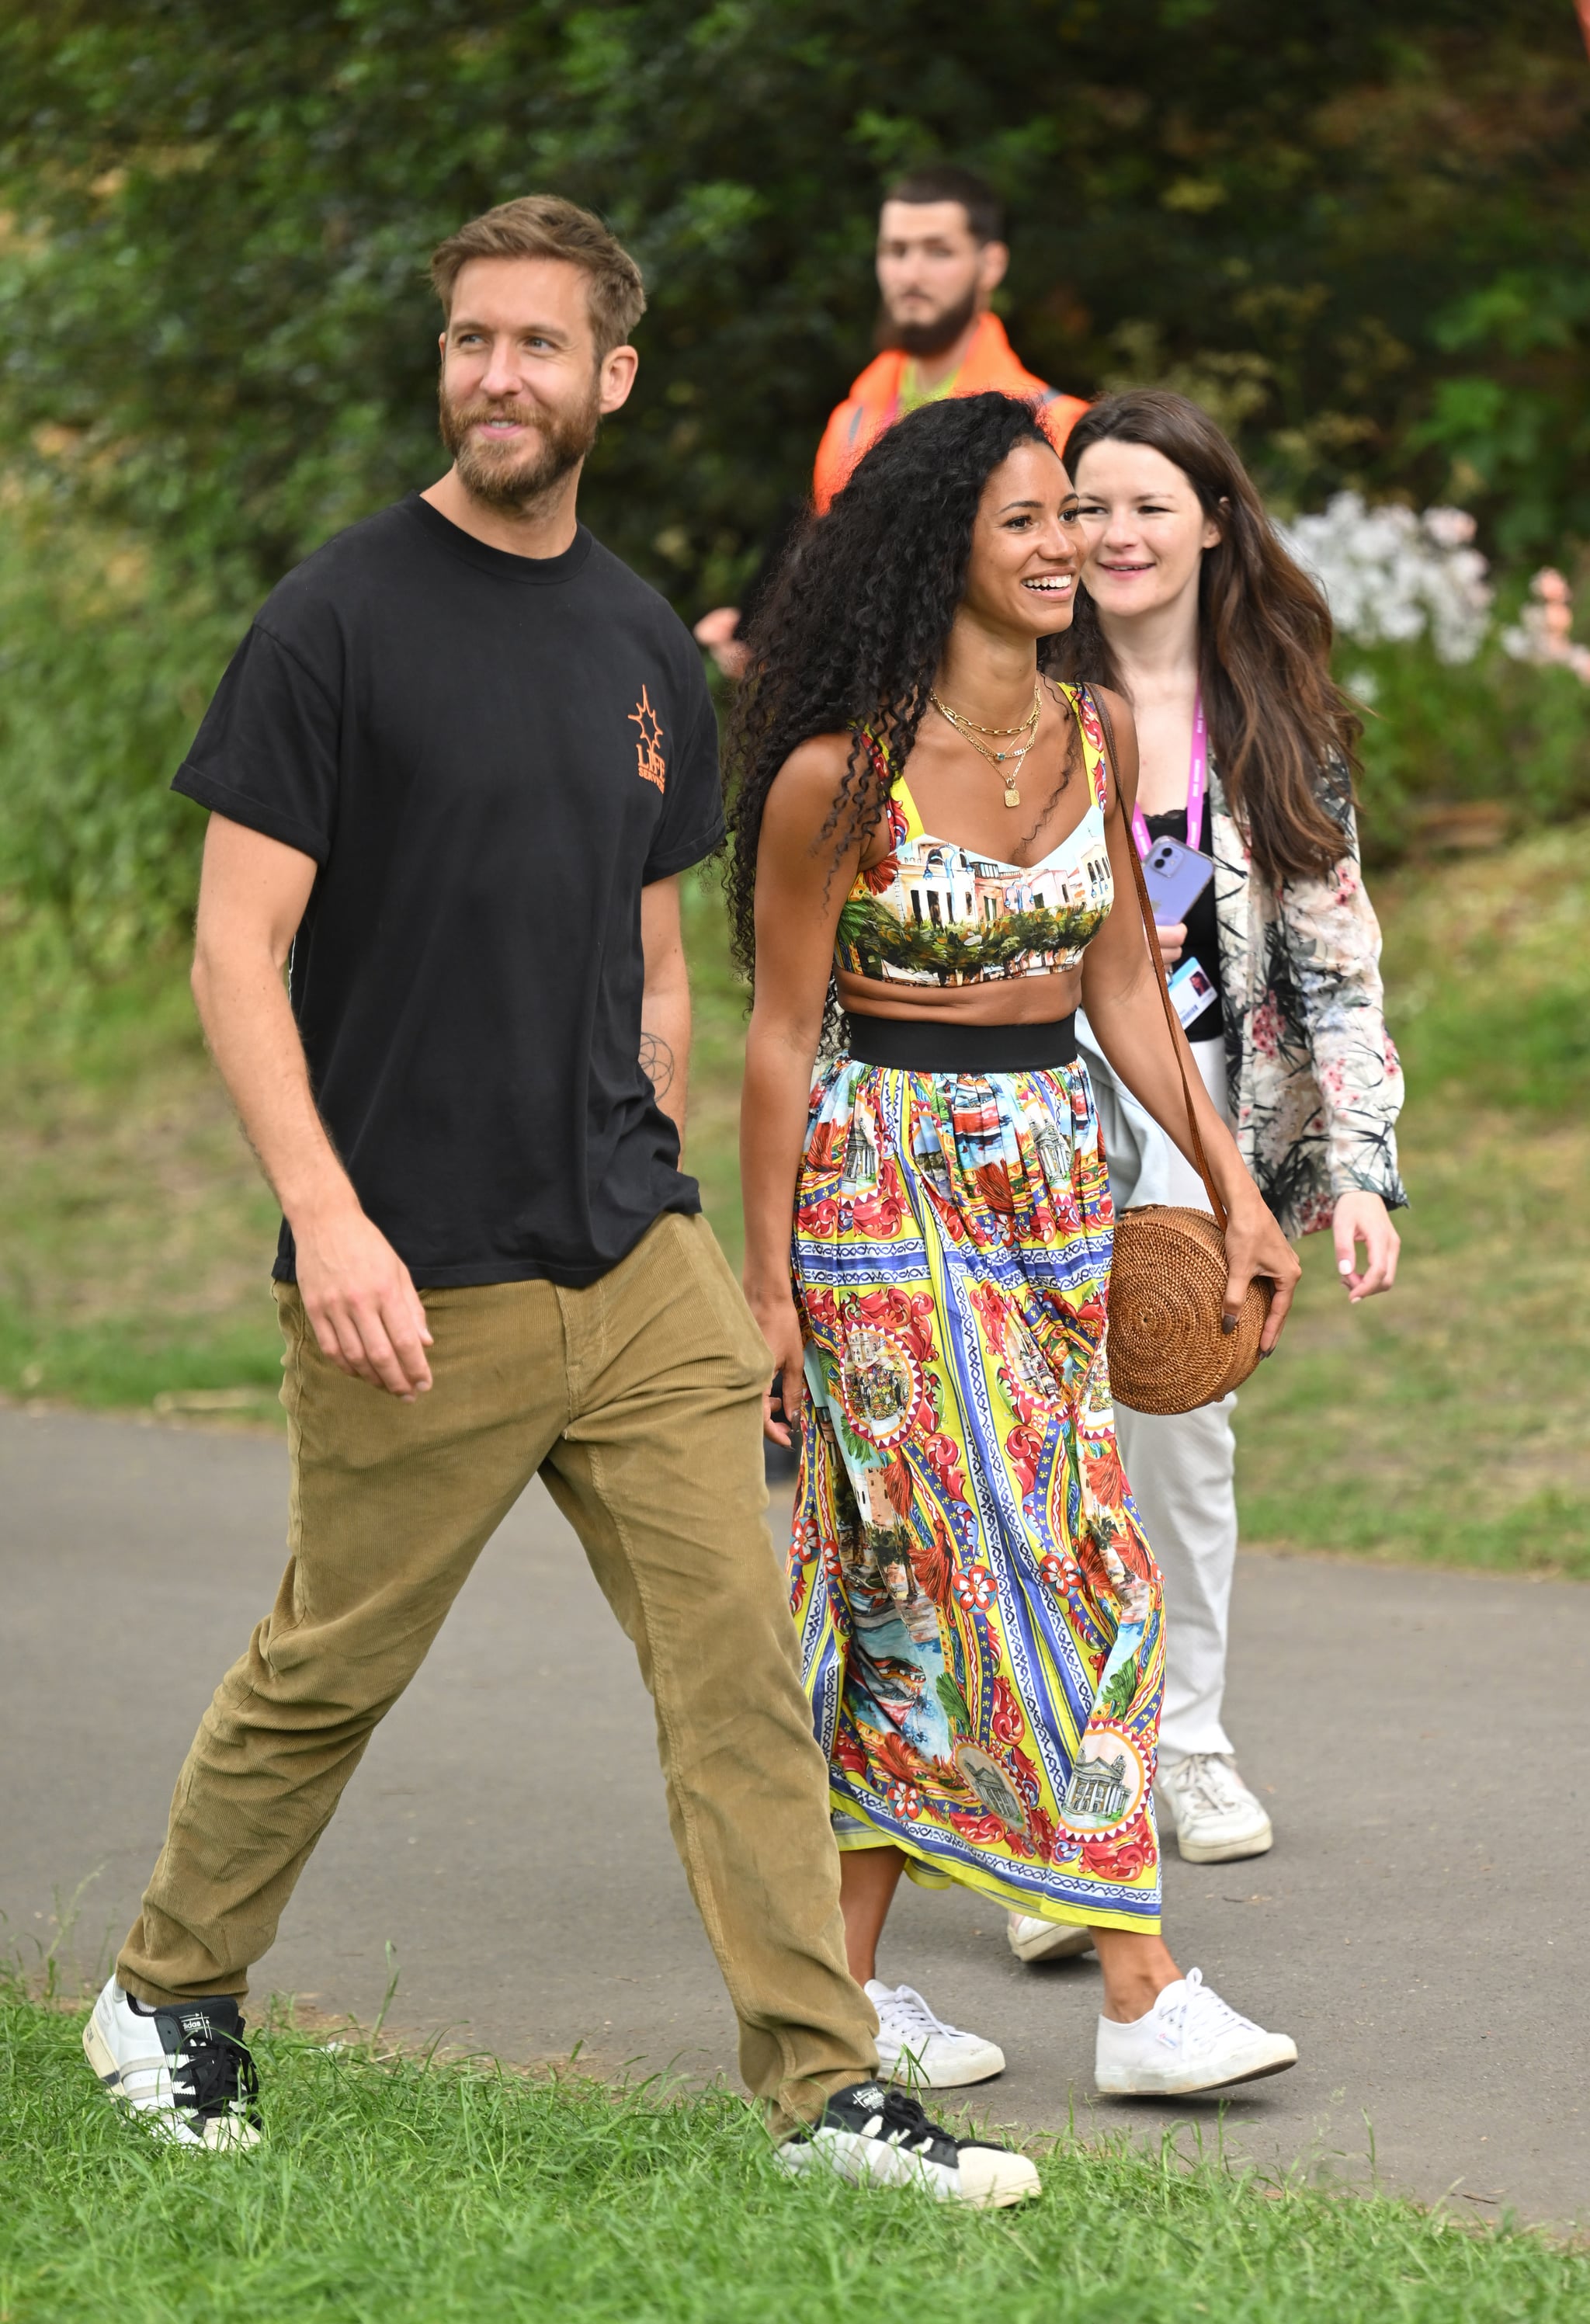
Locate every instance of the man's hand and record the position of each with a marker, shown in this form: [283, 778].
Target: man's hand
[716, 631]
[361, 1301]
[1363, 1218]
[780, 1326]
[358, 1293]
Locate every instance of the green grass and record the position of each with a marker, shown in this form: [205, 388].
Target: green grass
[136, 1235]
[135, 1232]
[716, 1061]
[1448, 1421]
[389, 2189]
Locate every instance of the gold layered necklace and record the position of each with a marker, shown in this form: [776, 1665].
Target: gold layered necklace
[970, 732]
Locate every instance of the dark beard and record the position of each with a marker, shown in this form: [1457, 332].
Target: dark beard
[927, 338]
[511, 482]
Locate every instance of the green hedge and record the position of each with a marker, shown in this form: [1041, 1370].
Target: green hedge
[1439, 738]
[109, 652]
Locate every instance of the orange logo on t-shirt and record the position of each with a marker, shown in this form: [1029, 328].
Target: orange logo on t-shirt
[649, 762]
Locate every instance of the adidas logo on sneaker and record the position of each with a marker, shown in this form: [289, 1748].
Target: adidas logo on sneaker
[185, 2073]
[867, 2133]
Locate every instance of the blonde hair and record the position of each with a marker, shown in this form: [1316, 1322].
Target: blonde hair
[544, 225]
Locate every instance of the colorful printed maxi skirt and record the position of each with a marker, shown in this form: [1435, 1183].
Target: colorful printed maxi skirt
[980, 1613]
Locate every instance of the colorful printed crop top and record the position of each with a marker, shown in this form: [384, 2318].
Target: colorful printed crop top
[933, 913]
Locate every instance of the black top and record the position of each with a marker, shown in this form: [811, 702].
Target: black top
[1203, 933]
[488, 757]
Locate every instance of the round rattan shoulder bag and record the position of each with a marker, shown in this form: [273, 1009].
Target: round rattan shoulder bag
[1167, 1285]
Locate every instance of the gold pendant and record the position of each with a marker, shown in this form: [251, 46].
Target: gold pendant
[1012, 795]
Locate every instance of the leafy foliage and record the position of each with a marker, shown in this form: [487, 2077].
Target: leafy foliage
[954, 1704]
[108, 647]
[953, 953]
[1359, 235]
[1437, 739]
[1366, 240]
[1122, 1691]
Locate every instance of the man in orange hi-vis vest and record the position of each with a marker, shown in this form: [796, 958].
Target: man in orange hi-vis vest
[941, 255]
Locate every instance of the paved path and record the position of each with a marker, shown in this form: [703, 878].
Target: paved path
[1421, 1925]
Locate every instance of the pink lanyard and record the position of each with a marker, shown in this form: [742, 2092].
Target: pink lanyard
[1196, 785]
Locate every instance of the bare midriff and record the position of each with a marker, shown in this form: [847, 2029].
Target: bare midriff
[1019, 1001]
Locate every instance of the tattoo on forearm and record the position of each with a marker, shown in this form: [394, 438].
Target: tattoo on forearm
[656, 1063]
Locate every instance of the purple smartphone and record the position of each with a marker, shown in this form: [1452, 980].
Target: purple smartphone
[1175, 876]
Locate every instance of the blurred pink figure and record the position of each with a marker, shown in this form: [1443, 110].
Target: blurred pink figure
[1545, 630]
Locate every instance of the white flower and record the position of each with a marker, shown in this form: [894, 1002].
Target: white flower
[1389, 575]
[1448, 527]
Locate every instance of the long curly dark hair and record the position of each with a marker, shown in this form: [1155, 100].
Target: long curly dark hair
[1282, 734]
[851, 632]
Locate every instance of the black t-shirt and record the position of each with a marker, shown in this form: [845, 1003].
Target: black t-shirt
[488, 757]
[1203, 933]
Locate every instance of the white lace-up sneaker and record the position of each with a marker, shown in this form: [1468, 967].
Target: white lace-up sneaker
[1035, 1939]
[184, 2070]
[915, 2047]
[1189, 2040]
[1217, 1817]
[867, 2131]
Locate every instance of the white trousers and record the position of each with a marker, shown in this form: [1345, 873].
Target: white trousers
[1180, 1468]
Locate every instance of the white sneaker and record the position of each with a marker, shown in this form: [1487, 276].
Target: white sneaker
[915, 2047]
[184, 2070]
[1189, 2040]
[1217, 1817]
[868, 2132]
[1035, 1939]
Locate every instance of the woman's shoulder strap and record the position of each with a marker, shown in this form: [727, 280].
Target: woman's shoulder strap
[1093, 725]
[904, 817]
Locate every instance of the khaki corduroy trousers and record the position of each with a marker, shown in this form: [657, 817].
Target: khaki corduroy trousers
[637, 1400]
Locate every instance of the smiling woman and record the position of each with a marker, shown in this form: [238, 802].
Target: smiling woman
[1192, 604]
[977, 1606]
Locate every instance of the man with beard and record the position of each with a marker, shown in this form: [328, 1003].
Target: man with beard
[454, 773]
[940, 256]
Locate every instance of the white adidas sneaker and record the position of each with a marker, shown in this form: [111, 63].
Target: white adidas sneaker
[1189, 2041]
[1218, 1820]
[917, 2048]
[868, 2133]
[184, 2070]
[1032, 1939]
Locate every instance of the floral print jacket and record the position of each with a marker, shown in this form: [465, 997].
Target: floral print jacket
[1312, 1076]
[1314, 1081]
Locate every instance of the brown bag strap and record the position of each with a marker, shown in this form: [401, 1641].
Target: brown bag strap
[1178, 1037]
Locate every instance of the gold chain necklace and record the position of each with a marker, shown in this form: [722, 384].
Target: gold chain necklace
[969, 730]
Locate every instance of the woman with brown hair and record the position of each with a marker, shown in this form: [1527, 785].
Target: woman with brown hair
[1192, 609]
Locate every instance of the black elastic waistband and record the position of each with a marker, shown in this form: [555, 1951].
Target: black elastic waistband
[930, 1044]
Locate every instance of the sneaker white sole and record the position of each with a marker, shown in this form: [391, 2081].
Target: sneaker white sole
[1258, 1840]
[1226, 1851]
[218, 2137]
[1275, 2057]
[948, 2074]
[988, 2179]
[1057, 1941]
[992, 2179]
